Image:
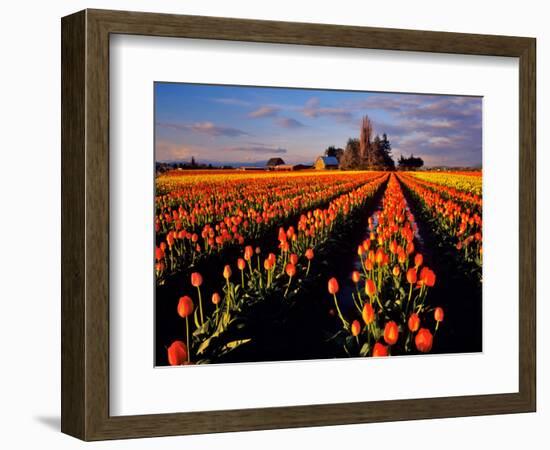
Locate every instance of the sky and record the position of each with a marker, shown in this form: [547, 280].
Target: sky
[242, 125]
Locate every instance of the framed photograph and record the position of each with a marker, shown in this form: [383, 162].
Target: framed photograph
[270, 224]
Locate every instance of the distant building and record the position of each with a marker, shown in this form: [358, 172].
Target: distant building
[326, 163]
[274, 162]
[290, 167]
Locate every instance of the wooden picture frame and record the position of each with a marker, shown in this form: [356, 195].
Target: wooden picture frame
[85, 224]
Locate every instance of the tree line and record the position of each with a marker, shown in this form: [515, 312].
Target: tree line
[368, 153]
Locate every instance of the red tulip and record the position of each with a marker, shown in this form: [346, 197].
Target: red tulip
[333, 287]
[293, 258]
[418, 259]
[391, 332]
[423, 340]
[355, 328]
[379, 350]
[196, 279]
[414, 322]
[185, 306]
[309, 254]
[177, 353]
[427, 277]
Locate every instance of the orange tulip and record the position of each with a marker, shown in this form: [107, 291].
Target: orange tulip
[333, 287]
[293, 258]
[368, 313]
[216, 298]
[439, 314]
[177, 353]
[379, 350]
[355, 328]
[355, 276]
[411, 276]
[418, 259]
[309, 254]
[185, 306]
[290, 270]
[396, 271]
[423, 340]
[241, 264]
[391, 332]
[370, 288]
[414, 322]
[196, 279]
[227, 272]
[248, 252]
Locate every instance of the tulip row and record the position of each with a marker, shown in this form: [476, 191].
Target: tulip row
[391, 287]
[275, 279]
[465, 182]
[456, 221]
[251, 214]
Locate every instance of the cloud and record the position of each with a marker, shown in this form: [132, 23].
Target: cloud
[264, 111]
[287, 122]
[231, 101]
[170, 151]
[205, 128]
[257, 149]
[313, 109]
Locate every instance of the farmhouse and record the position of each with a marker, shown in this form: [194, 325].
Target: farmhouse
[326, 162]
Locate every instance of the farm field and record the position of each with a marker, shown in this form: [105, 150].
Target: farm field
[311, 264]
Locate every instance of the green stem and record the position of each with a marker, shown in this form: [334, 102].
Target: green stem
[288, 286]
[187, 334]
[346, 325]
[200, 304]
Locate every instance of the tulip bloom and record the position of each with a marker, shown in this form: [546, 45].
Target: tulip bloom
[370, 288]
[438, 316]
[355, 328]
[413, 322]
[423, 340]
[396, 271]
[333, 287]
[227, 272]
[241, 264]
[309, 256]
[411, 276]
[196, 279]
[177, 353]
[379, 350]
[427, 277]
[185, 309]
[356, 276]
[216, 298]
[391, 332]
[368, 313]
[185, 306]
[290, 270]
[418, 260]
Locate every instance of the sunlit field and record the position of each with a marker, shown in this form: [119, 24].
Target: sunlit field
[311, 264]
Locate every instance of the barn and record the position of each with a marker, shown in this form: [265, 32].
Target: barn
[326, 163]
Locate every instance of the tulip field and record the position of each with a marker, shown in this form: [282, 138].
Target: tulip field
[315, 264]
